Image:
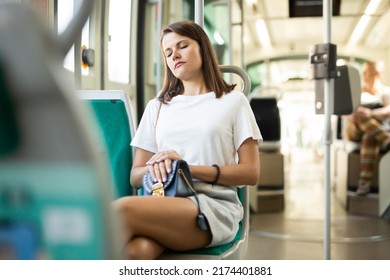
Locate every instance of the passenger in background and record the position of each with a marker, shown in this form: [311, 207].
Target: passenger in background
[370, 124]
[199, 118]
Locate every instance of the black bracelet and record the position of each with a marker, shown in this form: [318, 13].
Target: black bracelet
[218, 173]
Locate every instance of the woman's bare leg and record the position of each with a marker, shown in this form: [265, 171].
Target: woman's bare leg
[167, 222]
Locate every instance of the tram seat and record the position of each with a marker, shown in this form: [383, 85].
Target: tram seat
[346, 166]
[267, 116]
[346, 174]
[55, 193]
[268, 196]
[115, 117]
[384, 187]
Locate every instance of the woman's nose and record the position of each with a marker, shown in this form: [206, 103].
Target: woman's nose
[175, 55]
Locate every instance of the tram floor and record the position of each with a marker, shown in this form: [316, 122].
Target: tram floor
[296, 233]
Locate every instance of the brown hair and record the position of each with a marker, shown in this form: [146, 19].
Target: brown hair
[173, 86]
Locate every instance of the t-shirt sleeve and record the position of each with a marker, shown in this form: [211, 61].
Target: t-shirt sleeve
[145, 136]
[245, 125]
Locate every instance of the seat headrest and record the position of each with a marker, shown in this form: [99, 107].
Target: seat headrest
[267, 116]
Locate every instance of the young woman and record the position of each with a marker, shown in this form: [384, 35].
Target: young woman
[370, 126]
[198, 118]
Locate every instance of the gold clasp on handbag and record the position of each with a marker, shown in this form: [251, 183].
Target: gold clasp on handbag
[158, 189]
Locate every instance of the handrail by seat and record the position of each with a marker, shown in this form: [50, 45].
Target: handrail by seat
[240, 72]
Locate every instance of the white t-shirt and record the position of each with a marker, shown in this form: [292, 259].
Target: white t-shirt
[382, 97]
[202, 129]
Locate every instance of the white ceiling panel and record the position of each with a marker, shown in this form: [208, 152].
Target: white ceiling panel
[297, 31]
[275, 8]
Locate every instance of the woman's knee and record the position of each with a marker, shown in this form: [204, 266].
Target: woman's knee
[126, 208]
[124, 204]
[142, 248]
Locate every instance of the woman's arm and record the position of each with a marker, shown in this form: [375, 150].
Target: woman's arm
[381, 113]
[246, 172]
[139, 167]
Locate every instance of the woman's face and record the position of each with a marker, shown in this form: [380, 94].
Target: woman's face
[369, 74]
[182, 56]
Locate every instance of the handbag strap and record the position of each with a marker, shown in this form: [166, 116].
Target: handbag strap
[158, 115]
[155, 124]
[202, 221]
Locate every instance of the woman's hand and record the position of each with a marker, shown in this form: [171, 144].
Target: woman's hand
[160, 164]
[362, 114]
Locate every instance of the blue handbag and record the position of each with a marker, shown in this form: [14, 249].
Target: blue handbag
[179, 183]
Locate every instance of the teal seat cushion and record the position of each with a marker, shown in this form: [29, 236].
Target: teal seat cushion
[217, 250]
[114, 123]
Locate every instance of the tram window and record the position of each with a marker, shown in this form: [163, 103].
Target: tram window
[257, 73]
[277, 72]
[218, 28]
[65, 13]
[119, 41]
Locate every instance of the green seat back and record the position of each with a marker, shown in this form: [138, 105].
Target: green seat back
[115, 128]
[218, 250]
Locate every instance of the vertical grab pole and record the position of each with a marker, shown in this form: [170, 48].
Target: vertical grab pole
[328, 108]
[158, 52]
[199, 12]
